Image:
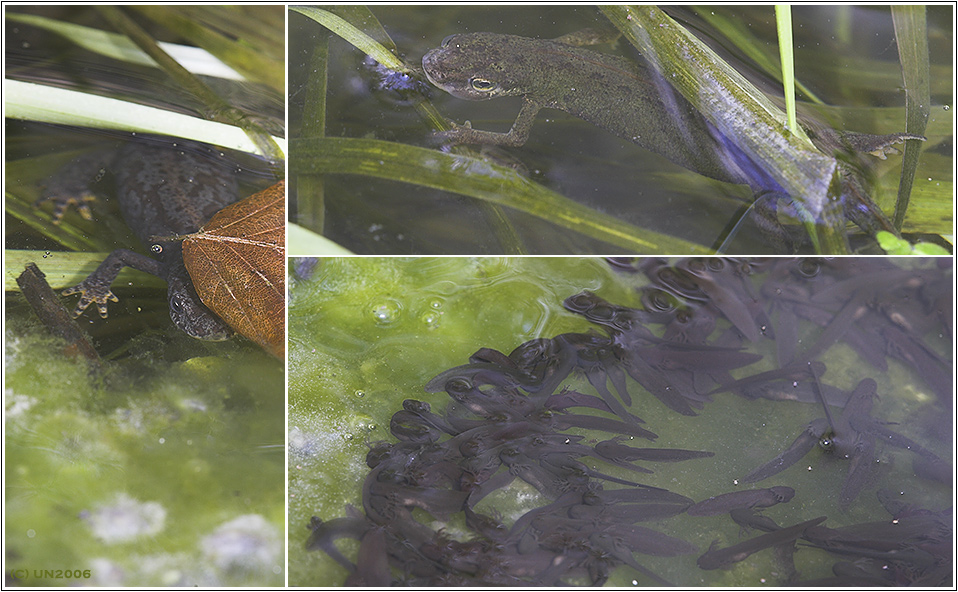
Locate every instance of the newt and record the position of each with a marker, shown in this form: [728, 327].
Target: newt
[624, 97]
[163, 189]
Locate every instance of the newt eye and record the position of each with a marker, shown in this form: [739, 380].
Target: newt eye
[483, 85]
[446, 40]
[175, 305]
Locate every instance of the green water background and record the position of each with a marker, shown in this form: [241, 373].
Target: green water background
[91, 460]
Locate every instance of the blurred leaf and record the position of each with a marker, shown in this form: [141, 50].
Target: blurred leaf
[113, 45]
[238, 265]
[306, 242]
[859, 74]
[257, 58]
[218, 108]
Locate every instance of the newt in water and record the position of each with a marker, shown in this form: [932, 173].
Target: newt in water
[626, 98]
[163, 189]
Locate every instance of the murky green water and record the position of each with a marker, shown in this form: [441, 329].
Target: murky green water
[365, 334]
[149, 473]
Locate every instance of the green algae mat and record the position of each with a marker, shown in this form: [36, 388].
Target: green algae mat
[164, 468]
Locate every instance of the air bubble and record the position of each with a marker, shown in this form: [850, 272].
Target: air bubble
[431, 319]
[387, 312]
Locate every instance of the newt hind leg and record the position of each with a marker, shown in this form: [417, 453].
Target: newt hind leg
[879, 146]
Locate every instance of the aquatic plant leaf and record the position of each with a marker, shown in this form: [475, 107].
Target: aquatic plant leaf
[237, 263]
[256, 56]
[743, 114]
[910, 31]
[745, 40]
[39, 102]
[65, 268]
[783, 16]
[306, 242]
[351, 33]
[119, 47]
[476, 178]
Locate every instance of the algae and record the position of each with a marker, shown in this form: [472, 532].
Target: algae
[154, 472]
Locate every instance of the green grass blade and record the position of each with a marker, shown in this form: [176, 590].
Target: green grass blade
[783, 17]
[742, 113]
[258, 59]
[37, 102]
[118, 47]
[910, 30]
[64, 269]
[353, 35]
[478, 179]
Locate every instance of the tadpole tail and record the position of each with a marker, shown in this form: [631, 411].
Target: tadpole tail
[821, 396]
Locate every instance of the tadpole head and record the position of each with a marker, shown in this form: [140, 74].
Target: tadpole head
[457, 387]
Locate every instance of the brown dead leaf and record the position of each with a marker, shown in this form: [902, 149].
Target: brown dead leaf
[237, 263]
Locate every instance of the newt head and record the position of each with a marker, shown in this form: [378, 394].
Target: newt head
[189, 313]
[477, 66]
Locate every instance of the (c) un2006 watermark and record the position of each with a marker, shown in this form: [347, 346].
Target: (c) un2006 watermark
[24, 573]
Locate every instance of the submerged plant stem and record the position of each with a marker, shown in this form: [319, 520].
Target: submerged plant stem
[910, 30]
